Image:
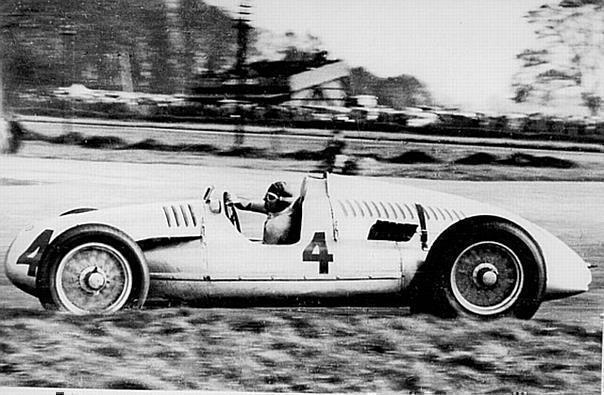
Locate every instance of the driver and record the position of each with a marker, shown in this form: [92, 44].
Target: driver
[283, 221]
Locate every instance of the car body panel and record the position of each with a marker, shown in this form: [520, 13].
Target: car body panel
[566, 271]
[194, 253]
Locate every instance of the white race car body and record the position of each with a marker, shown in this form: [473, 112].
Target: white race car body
[357, 238]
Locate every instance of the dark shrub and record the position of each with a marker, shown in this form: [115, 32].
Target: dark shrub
[102, 142]
[520, 159]
[411, 157]
[147, 144]
[244, 152]
[192, 148]
[479, 158]
[303, 155]
[152, 144]
[73, 138]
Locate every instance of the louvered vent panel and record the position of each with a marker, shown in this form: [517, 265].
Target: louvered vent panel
[179, 216]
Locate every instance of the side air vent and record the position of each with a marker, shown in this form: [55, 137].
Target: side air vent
[179, 216]
[443, 214]
[395, 211]
[375, 209]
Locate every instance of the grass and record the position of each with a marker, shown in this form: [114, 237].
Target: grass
[307, 350]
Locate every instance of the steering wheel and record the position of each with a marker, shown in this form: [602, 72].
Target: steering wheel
[231, 212]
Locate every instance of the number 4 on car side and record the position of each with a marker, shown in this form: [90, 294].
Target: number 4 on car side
[360, 239]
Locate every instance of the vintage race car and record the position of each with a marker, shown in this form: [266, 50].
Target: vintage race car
[359, 238]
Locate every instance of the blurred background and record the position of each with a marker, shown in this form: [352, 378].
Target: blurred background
[481, 68]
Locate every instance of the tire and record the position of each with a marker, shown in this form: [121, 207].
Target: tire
[482, 270]
[93, 269]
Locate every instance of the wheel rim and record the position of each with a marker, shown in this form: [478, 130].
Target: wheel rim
[93, 278]
[487, 278]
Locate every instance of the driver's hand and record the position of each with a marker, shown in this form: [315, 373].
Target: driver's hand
[231, 200]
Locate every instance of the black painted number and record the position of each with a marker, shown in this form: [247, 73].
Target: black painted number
[33, 254]
[322, 255]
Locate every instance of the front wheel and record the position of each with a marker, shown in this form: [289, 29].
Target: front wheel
[93, 269]
[485, 270]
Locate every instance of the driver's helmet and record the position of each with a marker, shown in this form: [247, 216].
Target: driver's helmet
[278, 196]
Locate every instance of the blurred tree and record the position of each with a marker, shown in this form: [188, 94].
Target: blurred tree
[209, 37]
[592, 102]
[564, 71]
[396, 92]
[161, 75]
[46, 44]
[307, 49]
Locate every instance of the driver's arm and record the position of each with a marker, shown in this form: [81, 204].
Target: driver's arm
[250, 205]
[244, 204]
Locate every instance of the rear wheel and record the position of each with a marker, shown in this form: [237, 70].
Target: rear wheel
[93, 269]
[485, 270]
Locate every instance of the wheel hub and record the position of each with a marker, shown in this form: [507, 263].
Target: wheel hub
[485, 274]
[92, 279]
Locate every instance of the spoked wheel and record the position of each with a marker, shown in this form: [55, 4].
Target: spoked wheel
[486, 278]
[93, 277]
[482, 270]
[93, 269]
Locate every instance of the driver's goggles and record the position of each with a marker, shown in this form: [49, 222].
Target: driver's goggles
[271, 197]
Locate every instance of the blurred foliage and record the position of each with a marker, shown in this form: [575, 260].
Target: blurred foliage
[51, 43]
[161, 46]
[593, 102]
[578, 3]
[563, 70]
[396, 92]
[157, 46]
